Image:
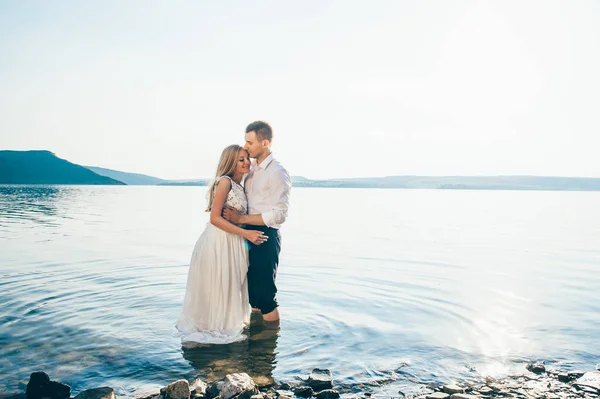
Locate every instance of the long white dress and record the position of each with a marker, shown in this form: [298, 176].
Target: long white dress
[216, 308]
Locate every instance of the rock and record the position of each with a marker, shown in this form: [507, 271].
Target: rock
[486, 391]
[320, 379]
[97, 393]
[40, 386]
[238, 384]
[598, 367]
[437, 395]
[285, 386]
[564, 377]
[463, 396]
[284, 394]
[37, 384]
[576, 374]
[180, 389]
[263, 381]
[214, 389]
[198, 386]
[328, 394]
[257, 396]
[590, 379]
[450, 389]
[537, 368]
[58, 390]
[303, 391]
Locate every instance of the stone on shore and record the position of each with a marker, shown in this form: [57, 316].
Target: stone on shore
[97, 393]
[303, 391]
[590, 380]
[328, 394]
[198, 387]
[451, 389]
[485, 390]
[537, 368]
[238, 385]
[437, 395]
[320, 379]
[464, 396]
[180, 389]
[40, 386]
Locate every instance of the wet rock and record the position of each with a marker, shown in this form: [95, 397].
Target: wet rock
[37, 384]
[303, 391]
[328, 394]
[238, 385]
[437, 395]
[198, 387]
[320, 379]
[40, 386]
[180, 389]
[486, 391]
[464, 396]
[564, 377]
[537, 368]
[283, 394]
[576, 374]
[263, 381]
[285, 386]
[589, 380]
[97, 393]
[450, 389]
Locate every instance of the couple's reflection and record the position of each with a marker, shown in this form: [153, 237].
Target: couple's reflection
[255, 355]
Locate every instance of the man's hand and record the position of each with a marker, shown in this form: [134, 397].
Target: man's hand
[231, 214]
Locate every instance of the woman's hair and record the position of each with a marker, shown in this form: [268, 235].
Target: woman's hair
[227, 165]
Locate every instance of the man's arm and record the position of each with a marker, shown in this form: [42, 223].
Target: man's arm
[277, 215]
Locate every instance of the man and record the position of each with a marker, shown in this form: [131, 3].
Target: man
[268, 187]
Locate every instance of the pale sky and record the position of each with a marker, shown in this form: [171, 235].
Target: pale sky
[352, 89]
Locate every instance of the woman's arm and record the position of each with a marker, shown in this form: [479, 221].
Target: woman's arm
[221, 191]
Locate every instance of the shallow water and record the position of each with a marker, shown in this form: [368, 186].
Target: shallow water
[388, 288]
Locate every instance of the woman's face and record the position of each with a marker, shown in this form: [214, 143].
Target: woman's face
[243, 164]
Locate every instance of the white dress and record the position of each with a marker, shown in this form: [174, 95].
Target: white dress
[216, 307]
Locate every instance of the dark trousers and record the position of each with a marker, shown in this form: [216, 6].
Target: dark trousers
[262, 270]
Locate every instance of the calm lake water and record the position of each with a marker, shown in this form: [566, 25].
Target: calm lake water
[388, 288]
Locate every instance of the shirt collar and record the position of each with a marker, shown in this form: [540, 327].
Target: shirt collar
[265, 162]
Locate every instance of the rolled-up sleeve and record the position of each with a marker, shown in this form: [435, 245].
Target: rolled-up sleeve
[281, 186]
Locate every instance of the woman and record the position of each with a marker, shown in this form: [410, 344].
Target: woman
[215, 308]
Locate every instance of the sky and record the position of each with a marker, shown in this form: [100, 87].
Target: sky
[351, 88]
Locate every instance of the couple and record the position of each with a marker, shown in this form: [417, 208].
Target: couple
[226, 274]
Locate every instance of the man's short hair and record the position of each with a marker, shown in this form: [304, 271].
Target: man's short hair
[262, 129]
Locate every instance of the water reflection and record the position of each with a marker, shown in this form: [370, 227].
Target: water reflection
[38, 204]
[255, 356]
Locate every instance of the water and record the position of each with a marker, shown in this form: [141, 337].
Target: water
[388, 288]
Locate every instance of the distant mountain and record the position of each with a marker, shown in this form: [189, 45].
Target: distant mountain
[198, 182]
[43, 167]
[461, 183]
[131, 179]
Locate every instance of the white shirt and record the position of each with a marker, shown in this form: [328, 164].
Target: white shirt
[268, 187]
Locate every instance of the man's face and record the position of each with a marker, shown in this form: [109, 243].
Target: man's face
[254, 145]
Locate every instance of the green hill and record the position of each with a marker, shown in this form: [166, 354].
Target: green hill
[43, 167]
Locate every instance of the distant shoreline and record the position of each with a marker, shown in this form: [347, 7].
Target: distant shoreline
[44, 168]
[307, 186]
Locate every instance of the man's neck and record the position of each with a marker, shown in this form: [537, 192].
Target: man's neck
[264, 156]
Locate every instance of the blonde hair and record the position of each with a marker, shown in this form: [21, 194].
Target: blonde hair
[227, 165]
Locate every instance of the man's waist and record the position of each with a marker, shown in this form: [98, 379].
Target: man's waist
[259, 227]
